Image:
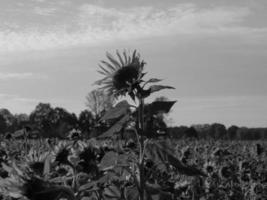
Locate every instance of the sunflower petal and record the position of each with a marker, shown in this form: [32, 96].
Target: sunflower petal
[104, 70]
[134, 54]
[113, 61]
[125, 57]
[120, 58]
[114, 68]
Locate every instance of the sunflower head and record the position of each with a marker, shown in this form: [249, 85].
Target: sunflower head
[61, 153]
[35, 160]
[226, 171]
[122, 75]
[209, 167]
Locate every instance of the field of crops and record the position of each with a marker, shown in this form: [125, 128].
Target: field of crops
[52, 169]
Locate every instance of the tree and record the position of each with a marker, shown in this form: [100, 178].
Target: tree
[231, 132]
[218, 131]
[41, 116]
[20, 120]
[3, 125]
[53, 122]
[86, 122]
[98, 102]
[9, 118]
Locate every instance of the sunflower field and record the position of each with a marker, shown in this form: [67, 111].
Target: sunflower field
[92, 169]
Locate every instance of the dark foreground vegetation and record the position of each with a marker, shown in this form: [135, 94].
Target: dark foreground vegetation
[97, 169]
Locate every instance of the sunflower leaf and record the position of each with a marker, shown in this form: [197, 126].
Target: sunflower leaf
[109, 160]
[159, 106]
[153, 80]
[161, 152]
[116, 127]
[156, 88]
[120, 109]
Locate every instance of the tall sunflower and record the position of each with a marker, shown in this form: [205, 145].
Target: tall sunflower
[122, 75]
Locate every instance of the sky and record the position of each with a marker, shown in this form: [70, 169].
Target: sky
[212, 52]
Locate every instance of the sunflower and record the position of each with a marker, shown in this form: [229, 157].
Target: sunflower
[21, 184]
[61, 154]
[209, 167]
[226, 172]
[123, 75]
[36, 160]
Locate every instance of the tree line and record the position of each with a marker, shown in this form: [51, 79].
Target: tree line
[217, 131]
[47, 121]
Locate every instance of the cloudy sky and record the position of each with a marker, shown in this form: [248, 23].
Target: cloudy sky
[213, 52]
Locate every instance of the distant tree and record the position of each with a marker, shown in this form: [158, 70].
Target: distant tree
[9, 118]
[232, 132]
[63, 122]
[20, 120]
[86, 122]
[53, 122]
[98, 102]
[191, 132]
[203, 130]
[3, 125]
[182, 132]
[42, 116]
[218, 131]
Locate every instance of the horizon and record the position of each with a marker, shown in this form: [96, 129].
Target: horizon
[213, 53]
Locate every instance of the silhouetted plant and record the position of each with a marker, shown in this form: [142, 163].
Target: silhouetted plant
[125, 76]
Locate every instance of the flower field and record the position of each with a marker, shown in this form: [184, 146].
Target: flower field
[105, 169]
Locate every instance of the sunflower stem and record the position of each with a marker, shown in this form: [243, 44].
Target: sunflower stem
[141, 144]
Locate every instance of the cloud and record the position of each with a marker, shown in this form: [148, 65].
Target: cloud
[44, 11]
[95, 25]
[27, 75]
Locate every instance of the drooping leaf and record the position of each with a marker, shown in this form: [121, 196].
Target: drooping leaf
[159, 106]
[116, 127]
[162, 154]
[156, 88]
[120, 109]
